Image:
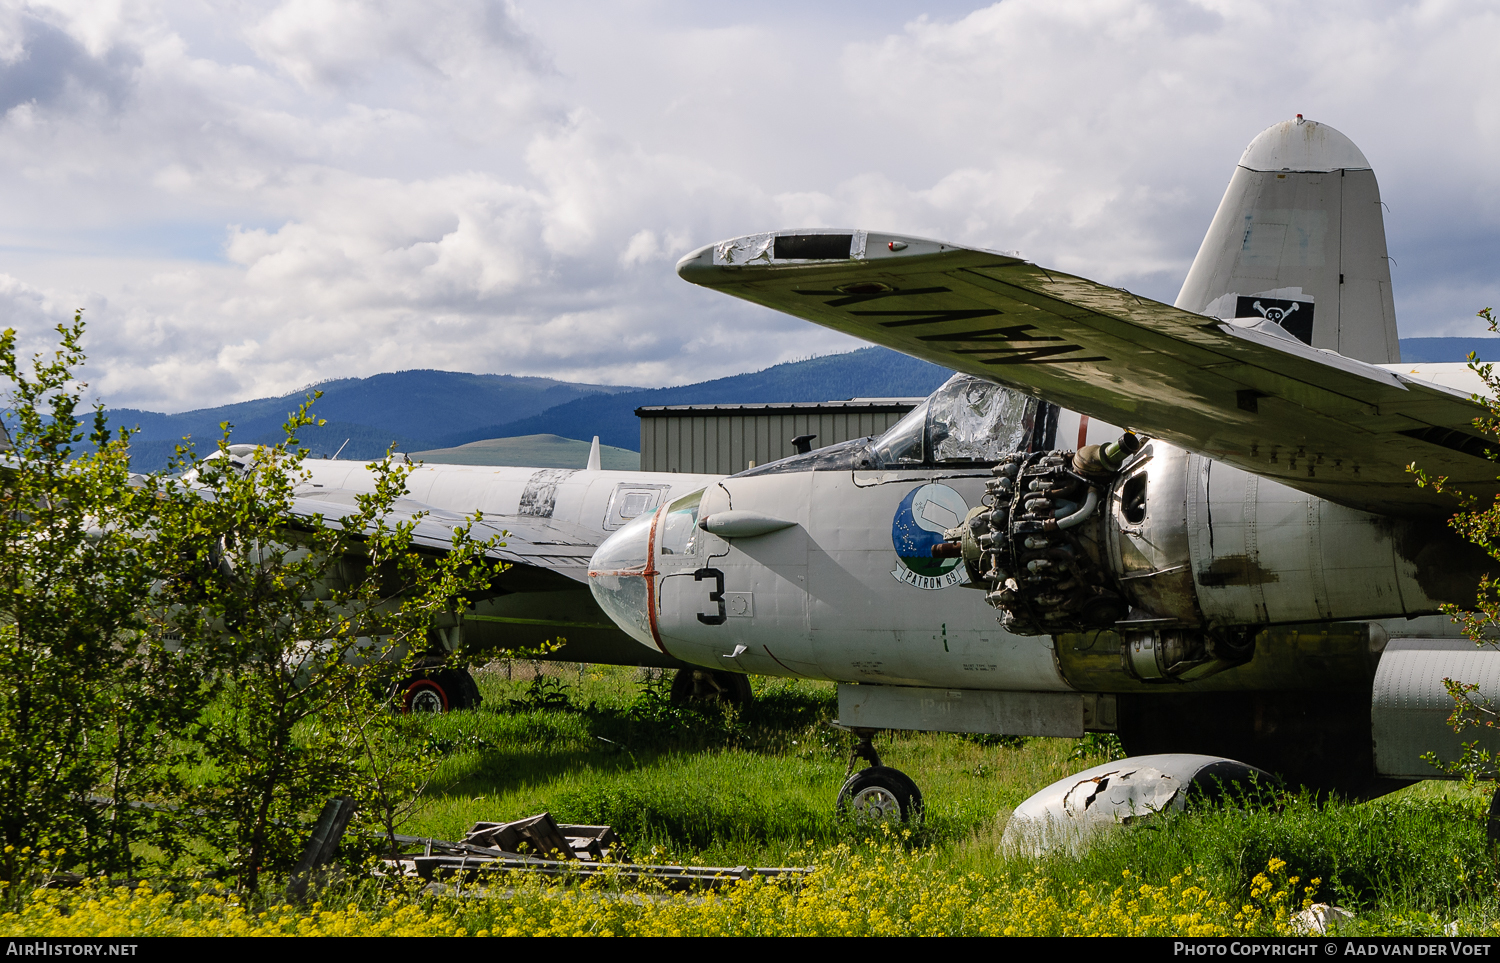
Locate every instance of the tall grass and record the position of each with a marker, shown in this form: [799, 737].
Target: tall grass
[756, 788]
[725, 788]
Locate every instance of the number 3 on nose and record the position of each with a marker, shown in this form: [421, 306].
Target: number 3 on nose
[717, 595]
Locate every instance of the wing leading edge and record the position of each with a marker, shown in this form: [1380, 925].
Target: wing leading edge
[1327, 425]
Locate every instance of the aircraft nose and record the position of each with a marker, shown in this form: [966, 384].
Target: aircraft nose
[620, 577]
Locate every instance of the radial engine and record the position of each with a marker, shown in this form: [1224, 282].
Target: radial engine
[1051, 547]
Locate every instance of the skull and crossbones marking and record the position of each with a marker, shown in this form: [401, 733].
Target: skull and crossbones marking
[1276, 315]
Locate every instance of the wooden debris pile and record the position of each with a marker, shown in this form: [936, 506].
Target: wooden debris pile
[539, 844]
[543, 836]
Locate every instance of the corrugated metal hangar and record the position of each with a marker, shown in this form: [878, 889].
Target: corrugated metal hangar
[724, 439]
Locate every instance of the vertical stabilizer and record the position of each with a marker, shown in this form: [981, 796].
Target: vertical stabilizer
[593, 464]
[1299, 239]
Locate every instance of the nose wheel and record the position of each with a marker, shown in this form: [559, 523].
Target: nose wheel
[878, 794]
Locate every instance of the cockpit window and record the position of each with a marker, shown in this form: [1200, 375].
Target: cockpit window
[970, 420]
[967, 422]
[678, 534]
[626, 549]
[902, 444]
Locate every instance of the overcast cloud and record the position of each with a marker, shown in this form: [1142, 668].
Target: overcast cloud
[247, 198]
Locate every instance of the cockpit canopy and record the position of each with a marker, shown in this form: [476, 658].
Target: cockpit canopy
[966, 422]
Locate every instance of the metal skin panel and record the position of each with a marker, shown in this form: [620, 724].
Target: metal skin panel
[1327, 248]
[1067, 814]
[1411, 705]
[1224, 547]
[1154, 563]
[1265, 553]
[771, 569]
[825, 601]
[1367, 309]
[1322, 657]
[580, 499]
[1063, 714]
[1323, 424]
[866, 625]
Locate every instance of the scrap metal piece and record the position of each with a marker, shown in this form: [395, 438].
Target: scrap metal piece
[672, 877]
[1068, 813]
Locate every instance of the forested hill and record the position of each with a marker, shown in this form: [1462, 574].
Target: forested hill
[407, 408]
[1417, 350]
[419, 410]
[867, 373]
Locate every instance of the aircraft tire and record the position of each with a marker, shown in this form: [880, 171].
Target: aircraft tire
[437, 690]
[706, 685]
[880, 794]
[422, 694]
[461, 688]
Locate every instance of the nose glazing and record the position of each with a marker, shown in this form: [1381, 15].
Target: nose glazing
[620, 577]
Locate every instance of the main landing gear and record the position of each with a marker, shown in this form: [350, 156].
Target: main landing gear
[436, 689]
[878, 794]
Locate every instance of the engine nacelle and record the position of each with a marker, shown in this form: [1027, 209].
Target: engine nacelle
[1166, 548]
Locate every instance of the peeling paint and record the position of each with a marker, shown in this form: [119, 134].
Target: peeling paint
[540, 494]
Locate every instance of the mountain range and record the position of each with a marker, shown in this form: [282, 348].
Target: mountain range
[427, 410]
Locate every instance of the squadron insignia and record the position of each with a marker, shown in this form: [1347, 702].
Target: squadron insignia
[925, 513]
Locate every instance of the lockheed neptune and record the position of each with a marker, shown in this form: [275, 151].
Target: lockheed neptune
[1191, 525]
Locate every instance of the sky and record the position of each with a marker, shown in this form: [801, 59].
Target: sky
[248, 198]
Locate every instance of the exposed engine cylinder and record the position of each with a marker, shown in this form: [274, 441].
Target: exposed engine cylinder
[1036, 541]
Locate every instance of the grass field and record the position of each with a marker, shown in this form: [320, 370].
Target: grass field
[721, 789]
[600, 744]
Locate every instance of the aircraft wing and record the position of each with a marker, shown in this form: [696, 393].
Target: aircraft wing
[544, 554]
[1255, 398]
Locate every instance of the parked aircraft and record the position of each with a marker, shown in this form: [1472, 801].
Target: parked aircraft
[549, 521]
[1248, 572]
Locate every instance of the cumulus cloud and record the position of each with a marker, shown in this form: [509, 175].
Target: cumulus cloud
[250, 200]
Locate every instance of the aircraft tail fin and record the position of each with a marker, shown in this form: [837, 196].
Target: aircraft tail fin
[593, 464]
[1299, 240]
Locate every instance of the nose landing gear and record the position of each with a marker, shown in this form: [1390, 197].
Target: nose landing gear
[878, 794]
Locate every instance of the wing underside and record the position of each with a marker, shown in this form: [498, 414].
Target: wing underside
[1316, 421]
